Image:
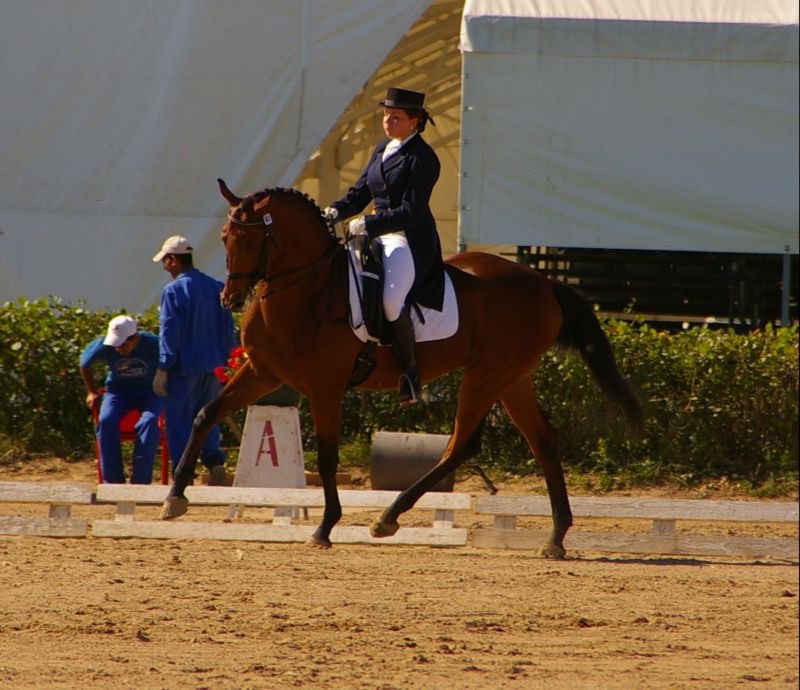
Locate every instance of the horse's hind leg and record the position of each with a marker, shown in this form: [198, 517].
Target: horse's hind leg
[519, 400]
[474, 401]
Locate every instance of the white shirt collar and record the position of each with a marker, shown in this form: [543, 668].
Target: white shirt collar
[395, 144]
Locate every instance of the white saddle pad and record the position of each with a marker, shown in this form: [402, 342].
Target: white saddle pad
[437, 324]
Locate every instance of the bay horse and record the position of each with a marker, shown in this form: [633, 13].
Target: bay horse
[286, 263]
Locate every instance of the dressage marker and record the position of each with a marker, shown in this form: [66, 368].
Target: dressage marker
[59, 498]
[271, 454]
[127, 497]
[271, 449]
[663, 539]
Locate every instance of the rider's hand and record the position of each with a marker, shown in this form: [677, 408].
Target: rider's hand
[357, 228]
[330, 214]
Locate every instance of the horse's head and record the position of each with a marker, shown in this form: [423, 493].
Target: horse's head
[244, 236]
[264, 239]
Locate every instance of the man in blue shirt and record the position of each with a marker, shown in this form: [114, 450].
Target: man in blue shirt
[132, 359]
[196, 336]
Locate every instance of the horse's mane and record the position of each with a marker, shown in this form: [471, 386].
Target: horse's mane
[290, 192]
[294, 194]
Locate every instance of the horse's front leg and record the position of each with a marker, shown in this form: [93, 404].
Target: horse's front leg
[244, 388]
[326, 422]
[176, 503]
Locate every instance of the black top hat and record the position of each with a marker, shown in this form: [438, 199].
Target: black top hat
[402, 98]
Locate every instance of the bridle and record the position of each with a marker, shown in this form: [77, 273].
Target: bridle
[261, 272]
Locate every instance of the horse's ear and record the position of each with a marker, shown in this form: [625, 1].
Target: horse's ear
[230, 197]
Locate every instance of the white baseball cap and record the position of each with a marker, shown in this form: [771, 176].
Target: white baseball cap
[174, 245]
[120, 328]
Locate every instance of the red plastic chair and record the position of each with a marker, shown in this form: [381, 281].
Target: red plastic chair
[127, 432]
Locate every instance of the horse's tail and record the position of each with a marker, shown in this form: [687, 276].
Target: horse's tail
[582, 331]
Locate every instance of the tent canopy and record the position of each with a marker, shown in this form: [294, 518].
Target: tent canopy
[118, 117]
[615, 123]
[629, 124]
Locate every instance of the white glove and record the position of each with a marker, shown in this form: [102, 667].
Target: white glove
[330, 214]
[357, 226]
[160, 383]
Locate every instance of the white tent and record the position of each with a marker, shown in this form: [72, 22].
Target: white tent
[118, 116]
[636, 124]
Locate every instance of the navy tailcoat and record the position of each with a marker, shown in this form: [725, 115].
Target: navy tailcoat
[401, 190]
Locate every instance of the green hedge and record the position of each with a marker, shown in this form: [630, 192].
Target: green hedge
[718, 404]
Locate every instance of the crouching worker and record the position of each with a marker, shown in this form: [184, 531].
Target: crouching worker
[132, 359]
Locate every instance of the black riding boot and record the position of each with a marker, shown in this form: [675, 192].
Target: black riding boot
[405, 355]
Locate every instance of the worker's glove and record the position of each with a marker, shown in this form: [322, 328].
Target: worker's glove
[160, 383]
[357, 228]
[330, 214]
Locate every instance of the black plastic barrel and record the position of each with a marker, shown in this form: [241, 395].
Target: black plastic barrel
[398, 459]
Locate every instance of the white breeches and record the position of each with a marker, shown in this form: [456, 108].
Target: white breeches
[398, 270]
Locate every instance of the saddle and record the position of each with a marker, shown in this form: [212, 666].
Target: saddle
[367, 318]
[370, 296]
[372, 279]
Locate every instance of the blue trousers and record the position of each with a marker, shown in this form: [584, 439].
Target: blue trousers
[112, 409]
[187, 394]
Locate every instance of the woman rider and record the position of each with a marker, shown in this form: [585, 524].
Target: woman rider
[399, 179]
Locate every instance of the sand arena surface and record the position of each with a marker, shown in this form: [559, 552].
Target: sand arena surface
[135, 613]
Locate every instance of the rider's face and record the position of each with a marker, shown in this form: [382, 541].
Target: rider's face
[397, 124]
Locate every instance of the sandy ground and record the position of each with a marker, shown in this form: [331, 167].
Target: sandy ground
[134, 613]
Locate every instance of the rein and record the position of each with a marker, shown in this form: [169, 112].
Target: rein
[327, 256]
[261, 272]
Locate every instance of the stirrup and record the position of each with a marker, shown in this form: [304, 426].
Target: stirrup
[409, 387]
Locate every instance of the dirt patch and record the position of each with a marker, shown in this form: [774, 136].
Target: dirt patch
[108, 613]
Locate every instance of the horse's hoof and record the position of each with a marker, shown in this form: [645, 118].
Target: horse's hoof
[380, 529]
[174, 507]
[554, 551]
[318, 542]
